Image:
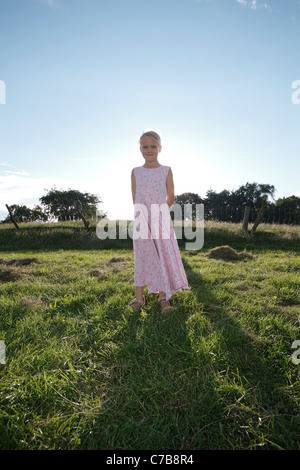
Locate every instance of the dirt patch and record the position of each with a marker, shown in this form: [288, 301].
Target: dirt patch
[30, 303]
[116, 259]
[12, 273]
[226, 252]
[22, 261]
[18, 261]
[98, 272]
[9, 275]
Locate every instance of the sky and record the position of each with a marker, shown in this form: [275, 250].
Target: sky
[80, 81]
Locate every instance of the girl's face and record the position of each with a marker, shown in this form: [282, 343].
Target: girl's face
[150, 149]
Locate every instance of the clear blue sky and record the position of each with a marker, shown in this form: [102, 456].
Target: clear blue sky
[84, 78]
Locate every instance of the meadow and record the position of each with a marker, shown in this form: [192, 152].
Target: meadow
[82, 371]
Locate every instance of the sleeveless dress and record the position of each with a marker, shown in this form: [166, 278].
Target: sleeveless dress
[157, 259]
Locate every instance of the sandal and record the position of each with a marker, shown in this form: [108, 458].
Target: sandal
[165, 305]
[139, 304]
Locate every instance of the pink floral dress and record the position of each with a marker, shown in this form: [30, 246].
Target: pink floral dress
[157, 259]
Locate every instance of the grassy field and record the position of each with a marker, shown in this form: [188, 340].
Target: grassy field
[83, 371]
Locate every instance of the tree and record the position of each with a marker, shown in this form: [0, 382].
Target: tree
[289, 209]
[188, 198]
[254, 195]
[219, 205]
[63, 205]
[25, 214]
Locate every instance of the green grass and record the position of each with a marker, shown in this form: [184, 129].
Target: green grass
[83, 371]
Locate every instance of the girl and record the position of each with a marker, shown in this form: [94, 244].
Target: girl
[157, 258]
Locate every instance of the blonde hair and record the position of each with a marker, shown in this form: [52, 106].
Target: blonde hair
[154, 135]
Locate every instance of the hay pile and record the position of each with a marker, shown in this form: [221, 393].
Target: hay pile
[226, 252]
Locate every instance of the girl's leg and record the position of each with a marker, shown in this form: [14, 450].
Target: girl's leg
[139, 293]
[161, 295]
[139, 300]
[165, 304]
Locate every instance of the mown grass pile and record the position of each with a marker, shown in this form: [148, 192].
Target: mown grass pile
[83, 371]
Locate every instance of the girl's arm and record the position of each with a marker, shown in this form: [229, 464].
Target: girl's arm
[170, 188]
[133, 186]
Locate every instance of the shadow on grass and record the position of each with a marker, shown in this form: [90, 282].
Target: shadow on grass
[265, 413]
[159, 398]
[193, 379]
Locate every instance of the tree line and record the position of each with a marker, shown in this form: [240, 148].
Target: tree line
[242, 205]
[58, 205]
[245, 204]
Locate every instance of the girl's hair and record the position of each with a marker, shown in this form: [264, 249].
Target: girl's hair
[154, 136]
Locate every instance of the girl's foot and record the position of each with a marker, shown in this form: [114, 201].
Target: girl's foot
[137, 304]
[165, 305]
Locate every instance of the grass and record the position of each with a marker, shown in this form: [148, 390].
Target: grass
[83, 371]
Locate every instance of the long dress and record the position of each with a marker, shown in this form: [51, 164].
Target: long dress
[157, 259]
